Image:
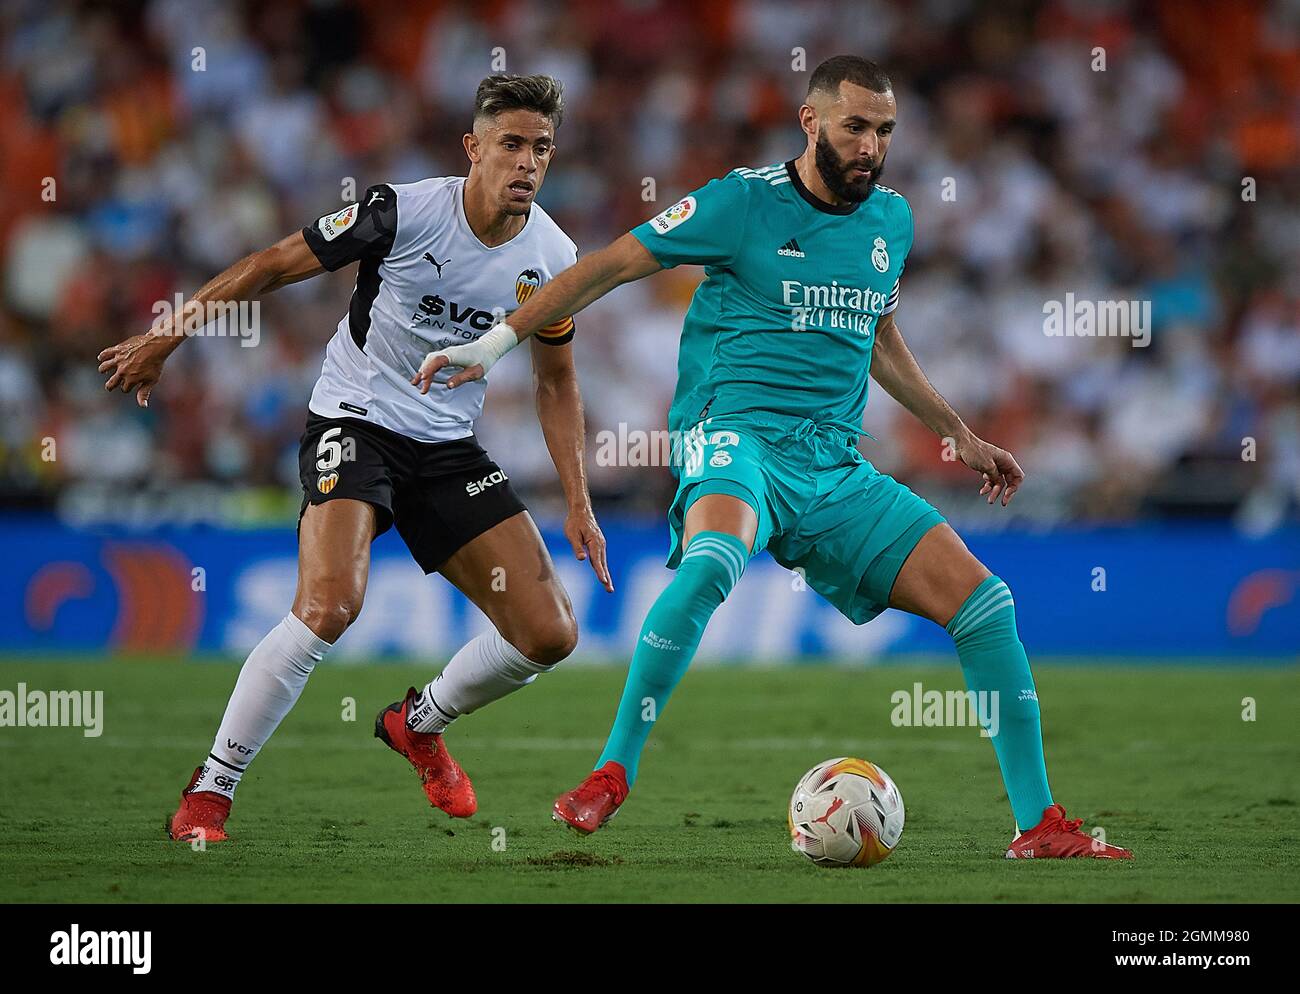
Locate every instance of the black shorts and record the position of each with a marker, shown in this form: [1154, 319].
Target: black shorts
[441, 495]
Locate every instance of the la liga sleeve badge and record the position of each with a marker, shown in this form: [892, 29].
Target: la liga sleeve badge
[674, 215]
[333, 225]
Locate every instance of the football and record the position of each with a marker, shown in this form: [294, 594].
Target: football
[845, 812]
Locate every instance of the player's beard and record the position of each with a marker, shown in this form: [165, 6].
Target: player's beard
[834, 172]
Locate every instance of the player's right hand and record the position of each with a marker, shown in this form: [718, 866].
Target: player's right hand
[135, 365]
[1001, 473]
[474, 359]
[464, 356]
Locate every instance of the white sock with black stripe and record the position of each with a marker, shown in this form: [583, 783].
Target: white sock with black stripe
[269, 685]
[485, 669]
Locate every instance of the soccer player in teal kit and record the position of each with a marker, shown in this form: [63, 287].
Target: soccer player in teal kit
[803, 262]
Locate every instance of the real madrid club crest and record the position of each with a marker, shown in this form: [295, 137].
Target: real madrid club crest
[879, 257]
[327, 481]
[527, 283]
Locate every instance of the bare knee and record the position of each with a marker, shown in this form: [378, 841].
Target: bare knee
[328, 613]
[937, 577]
[550, 641]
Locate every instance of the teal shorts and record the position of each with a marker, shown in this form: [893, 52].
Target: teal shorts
[822, 508]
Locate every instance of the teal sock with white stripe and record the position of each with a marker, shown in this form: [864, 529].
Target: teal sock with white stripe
[711, 567]
[993, 660]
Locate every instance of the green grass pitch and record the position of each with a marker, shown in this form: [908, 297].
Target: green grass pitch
[1158, 756]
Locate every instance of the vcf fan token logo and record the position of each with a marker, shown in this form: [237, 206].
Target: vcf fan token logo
[527, 284]
[327, 481]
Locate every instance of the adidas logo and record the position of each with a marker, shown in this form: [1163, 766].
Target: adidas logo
[792, 249]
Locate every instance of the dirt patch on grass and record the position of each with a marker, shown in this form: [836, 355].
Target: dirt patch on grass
[566, 859]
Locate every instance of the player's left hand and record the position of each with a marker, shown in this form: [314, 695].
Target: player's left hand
[588, 543]
[1002, 474]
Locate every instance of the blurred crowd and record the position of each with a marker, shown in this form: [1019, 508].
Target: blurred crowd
[1113, 150]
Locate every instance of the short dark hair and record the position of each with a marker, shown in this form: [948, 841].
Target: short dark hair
[828, 76]
[504, 91]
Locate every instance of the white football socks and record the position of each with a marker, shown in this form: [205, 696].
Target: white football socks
[484, 670]
[268, 686]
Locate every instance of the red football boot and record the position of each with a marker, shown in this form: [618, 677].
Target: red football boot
[202, 814]
[594, 801]
[445, 783]
[1055, 837]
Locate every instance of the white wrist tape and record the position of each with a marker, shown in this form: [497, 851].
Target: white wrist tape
[485, 352]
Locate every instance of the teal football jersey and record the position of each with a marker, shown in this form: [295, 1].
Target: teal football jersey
[786, 316]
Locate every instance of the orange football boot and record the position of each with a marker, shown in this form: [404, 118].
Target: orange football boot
[594, 801]
[445, 783]
[202, 814]
[1055, 837]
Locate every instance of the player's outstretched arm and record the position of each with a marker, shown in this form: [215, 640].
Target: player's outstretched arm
[895, 368]
[559, 410]
[589, 279]
[136, 363]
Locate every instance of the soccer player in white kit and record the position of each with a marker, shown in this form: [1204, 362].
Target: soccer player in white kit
[440, 262]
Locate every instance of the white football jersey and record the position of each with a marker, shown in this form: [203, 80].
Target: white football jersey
[425, 282]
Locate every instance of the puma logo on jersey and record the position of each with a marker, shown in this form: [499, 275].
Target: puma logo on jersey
[792, 249]
[476, 487]
[428, 257]
[377, 195]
